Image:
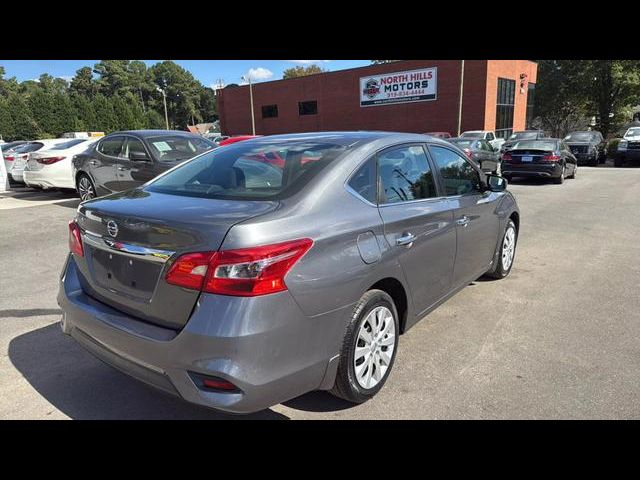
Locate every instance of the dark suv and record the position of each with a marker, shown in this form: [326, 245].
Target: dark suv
[588, 147]
[125, 160]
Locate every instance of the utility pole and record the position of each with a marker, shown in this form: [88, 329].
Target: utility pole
[164, 98]
[460, 103]
[253, 120]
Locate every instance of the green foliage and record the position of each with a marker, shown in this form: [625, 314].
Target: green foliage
[114, 95]
[300, 71]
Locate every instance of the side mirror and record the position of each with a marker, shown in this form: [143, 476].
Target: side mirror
[496, 183]
[138, 156]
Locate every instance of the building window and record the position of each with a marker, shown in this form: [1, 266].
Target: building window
[308, 108]
[504, 107]
[269, 111]
[531, 101]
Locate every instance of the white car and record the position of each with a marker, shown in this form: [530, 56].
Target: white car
[52, 167]
[487, 135]
[17, 158]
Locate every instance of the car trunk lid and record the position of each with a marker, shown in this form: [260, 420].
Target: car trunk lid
[527, 156]
[130, 240]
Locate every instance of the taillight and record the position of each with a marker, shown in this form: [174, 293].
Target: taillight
[9, 159]
[49, 160]
[506, 157]
[243, 272]
[551, 158]
[75, 241]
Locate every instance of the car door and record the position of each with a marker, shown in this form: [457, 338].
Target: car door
[570, 160]
[417, 222]
[135, 165]
[102, 166]
[474, 213]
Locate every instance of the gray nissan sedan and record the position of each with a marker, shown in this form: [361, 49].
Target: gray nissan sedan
[257, 272]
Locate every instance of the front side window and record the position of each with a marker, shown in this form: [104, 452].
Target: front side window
[458, 176]
[133, 145]
[405, 175]
[170, 148]
[504, 107]
[265, 170]
[111, 146]
[490, 136]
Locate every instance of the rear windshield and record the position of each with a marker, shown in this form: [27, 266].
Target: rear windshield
[536, 145]
[249, 170]
[28, 147]
[69, 144]
[523, 135]
[168, 148]
[580, 137]
[632, 132]
[463, 143]
[473, 134]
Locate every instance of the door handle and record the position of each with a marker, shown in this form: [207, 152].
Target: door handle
[93, 162]
[463, 221]
[406, 239]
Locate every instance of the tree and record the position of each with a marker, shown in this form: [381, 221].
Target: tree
[301, 71]
[182, 92]
[83, 83]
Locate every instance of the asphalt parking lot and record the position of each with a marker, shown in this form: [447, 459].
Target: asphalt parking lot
[559, 338]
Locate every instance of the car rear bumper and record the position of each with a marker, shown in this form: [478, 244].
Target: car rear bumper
[42, 179]
[264, 345]
[532, 170]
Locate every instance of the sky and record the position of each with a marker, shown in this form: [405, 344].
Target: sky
[207, 71]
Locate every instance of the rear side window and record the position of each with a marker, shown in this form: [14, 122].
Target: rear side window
[170, 148]
[250, 170]
[363, 182]
[458, 176]
[405, 175]
[111, 146]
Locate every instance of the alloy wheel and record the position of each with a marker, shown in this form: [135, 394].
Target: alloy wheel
[85, 189]
[374, 347]
[508, 248]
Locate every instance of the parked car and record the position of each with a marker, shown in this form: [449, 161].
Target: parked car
[444, 135]
[480, 152]
[124, 160]
[488, 135]
[237, 284]
[588, 147]
[546, 158]
[523, 135]
[51, 167]
[628, 148]
[237, 138]
[18, 156]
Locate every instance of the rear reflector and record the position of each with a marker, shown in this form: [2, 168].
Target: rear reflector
[75, 241]
[506, 157]
[49, 160]
[245, 272]
[207, 382]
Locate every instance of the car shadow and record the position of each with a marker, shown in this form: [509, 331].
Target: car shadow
[29, 312]
[318, 401]
[530, 181]
[82, 387]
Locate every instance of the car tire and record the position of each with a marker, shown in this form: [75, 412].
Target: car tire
[501, 268]
[573, 174]
[85, 187]
[559, 180]
[375, 308]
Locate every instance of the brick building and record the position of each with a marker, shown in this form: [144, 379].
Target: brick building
[409, 96]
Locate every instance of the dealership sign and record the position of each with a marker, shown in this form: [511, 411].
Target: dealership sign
[399, 87]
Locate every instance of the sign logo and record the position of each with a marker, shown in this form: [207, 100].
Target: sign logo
[371, 88]
[112, 228]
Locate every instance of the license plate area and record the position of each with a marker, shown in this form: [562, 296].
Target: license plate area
[124, 274]
[527, 159]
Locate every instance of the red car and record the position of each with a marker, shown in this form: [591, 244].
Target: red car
[439, 134]
[238, 138]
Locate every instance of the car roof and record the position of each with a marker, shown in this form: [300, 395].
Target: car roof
[154, 133]
[350, 138]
